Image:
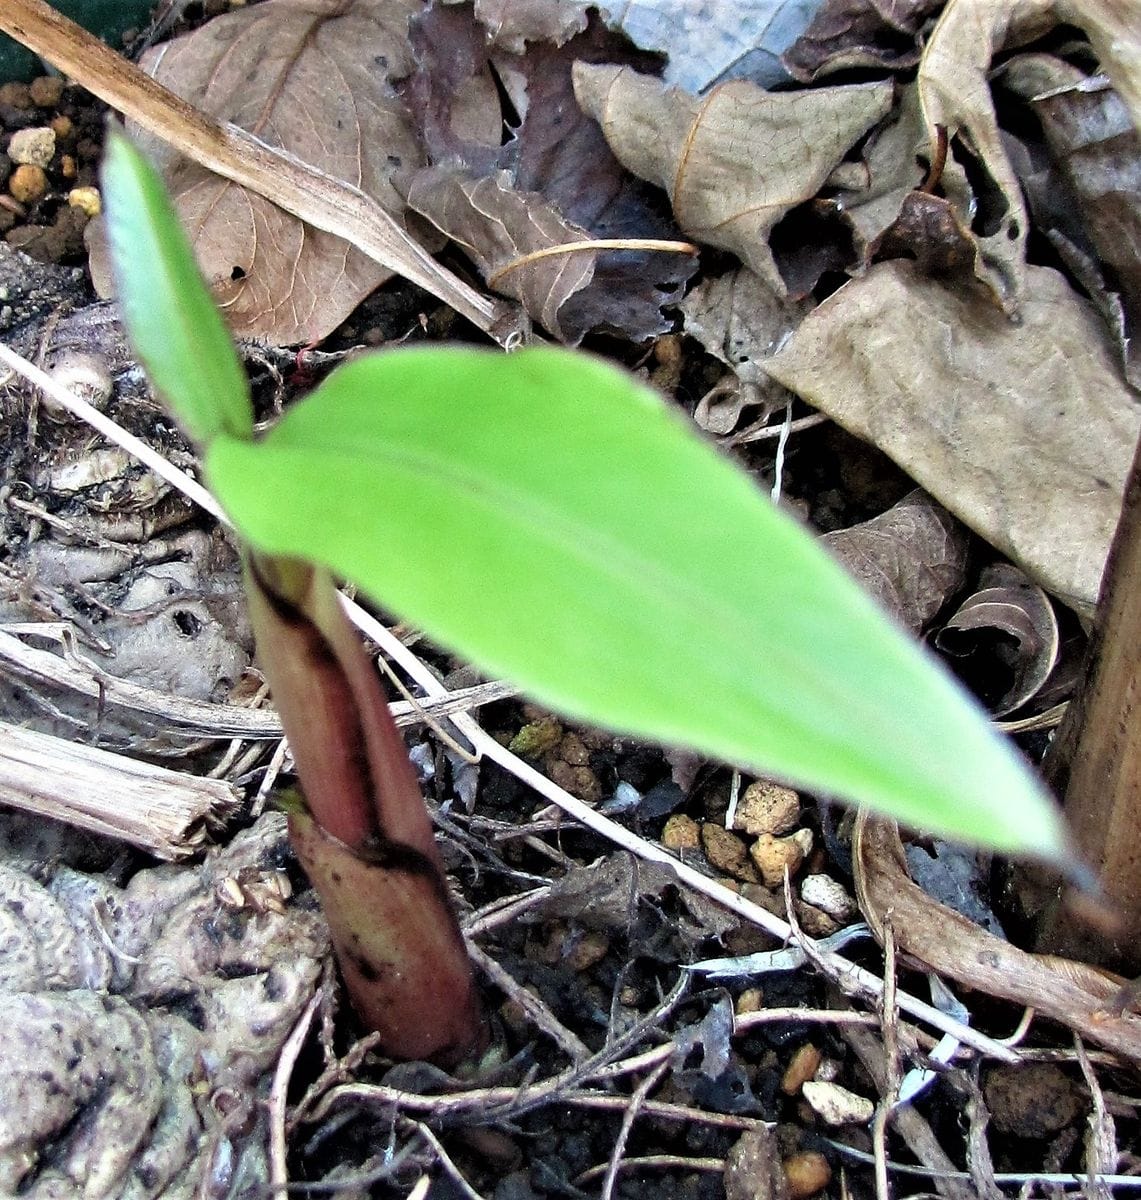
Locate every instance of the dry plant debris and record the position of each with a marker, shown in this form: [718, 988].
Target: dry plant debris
[990, 156]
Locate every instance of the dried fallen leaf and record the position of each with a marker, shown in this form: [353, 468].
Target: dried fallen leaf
[1024, 431]
[739, 319]
[1090, 135]
[321, 91]
[912, 558]
[735, 161]
[955, 94]
[1005, 638]
[943, 941]
[555, 182]
[496, 225]
[893, 162]
[859, 33]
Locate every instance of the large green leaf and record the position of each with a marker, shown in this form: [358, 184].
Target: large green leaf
[546, 515]
[176, 330]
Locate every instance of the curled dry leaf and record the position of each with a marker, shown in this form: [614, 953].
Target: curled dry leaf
[735, 161]
[1009, 629]
[859, 33]
[1090, 135]
[955, 94]
[554, 183]
[911, 558]
[1025, 432]
[941, 940]
[497, 225]
[739, 319]
[321, 91]
[892, 164]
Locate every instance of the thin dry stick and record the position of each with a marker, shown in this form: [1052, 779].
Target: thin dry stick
[657, 245]
[450, 1169]
[303, 190]
[278, 1174]
[637, 1103]
[532, 1006]
[889, 1017]
[654, 1161]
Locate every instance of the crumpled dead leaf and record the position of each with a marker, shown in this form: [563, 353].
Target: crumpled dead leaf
[320, 90]
[703, 49]
[735, 161]
[1005, 639]
[555, 182]
[1024, 431]
[612, 894]
[496, 225]
[859, 33]
[912, 558]
[941, 940]
[955, 94]
[1090, 135]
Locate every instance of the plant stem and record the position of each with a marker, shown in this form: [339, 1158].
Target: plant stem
[1095, 762]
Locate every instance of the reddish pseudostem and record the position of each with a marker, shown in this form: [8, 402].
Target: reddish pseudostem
[366, 841]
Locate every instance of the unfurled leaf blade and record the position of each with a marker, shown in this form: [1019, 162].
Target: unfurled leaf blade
[547, 516]
[174, 326]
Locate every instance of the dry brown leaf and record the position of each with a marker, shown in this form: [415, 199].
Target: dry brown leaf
[955, 94]
[859, 33]
[1024, 431]
[1005, 635]
[320, 89]
[1115, 32]
[511, 24]
[912, 558]
[554, 182]
[734, 161]
[893, 163]
[495, 225]
[1091, 137]
[739, 319]
[943, 941]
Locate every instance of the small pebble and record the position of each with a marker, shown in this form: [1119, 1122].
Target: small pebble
[68, 167]
[63, 127]
[772, 855]
[750, 1000]
[588, 950]
[28, 183]
[35, 146]
[835, 1105]
[806, 1174]
[572, 750]
[45, 92]
[801, 1068]
[767, 808]
[86, 199]
[15, 95]
[726, 852]
[827, 894]
[815, 921]
[681, 833]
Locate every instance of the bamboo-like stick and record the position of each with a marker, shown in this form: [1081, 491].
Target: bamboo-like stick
[164, 812]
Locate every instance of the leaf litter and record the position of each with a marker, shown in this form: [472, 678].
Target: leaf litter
[878, 196]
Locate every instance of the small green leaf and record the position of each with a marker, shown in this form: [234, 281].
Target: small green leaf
[174, 326]
[545, 515]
